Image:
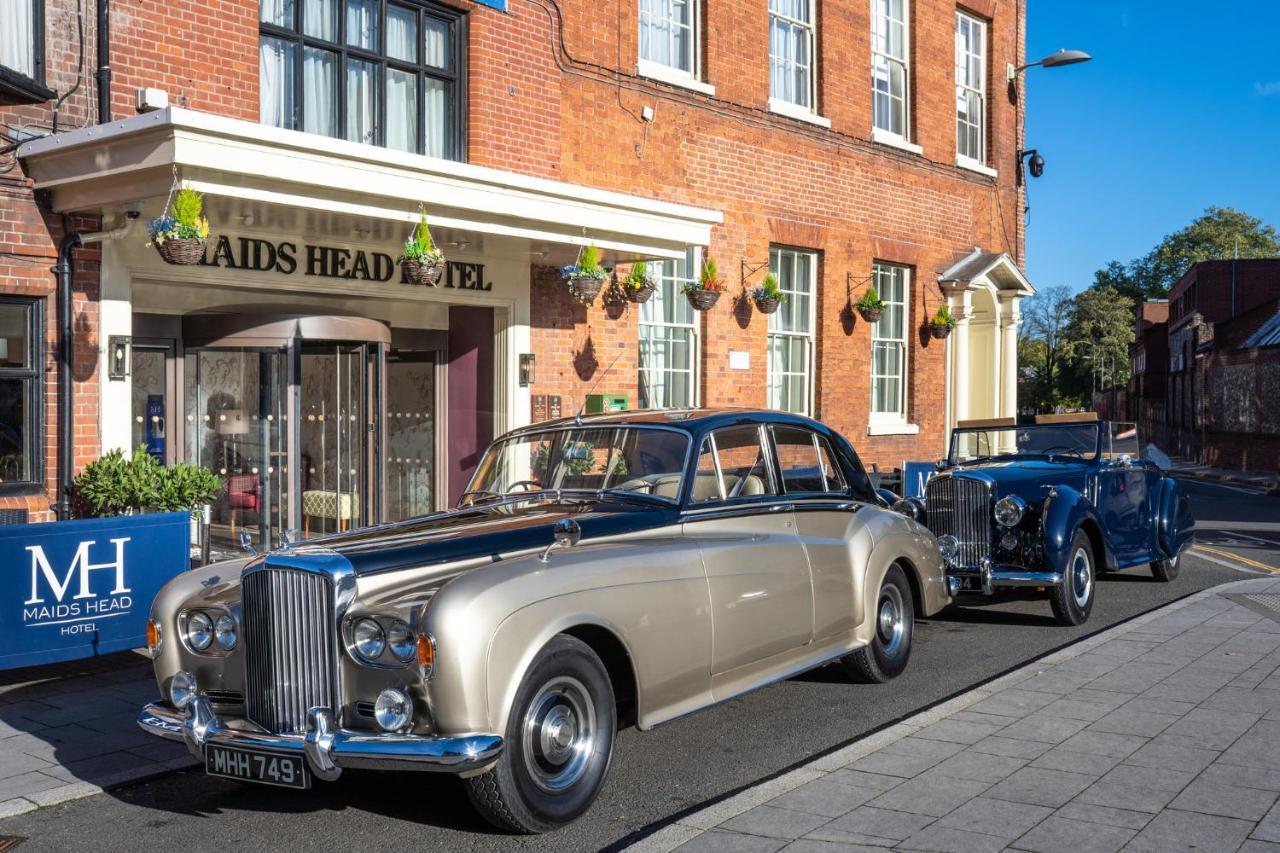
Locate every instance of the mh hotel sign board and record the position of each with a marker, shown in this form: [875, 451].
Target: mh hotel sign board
[253, 254]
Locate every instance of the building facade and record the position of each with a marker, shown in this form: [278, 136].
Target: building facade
[838, 145]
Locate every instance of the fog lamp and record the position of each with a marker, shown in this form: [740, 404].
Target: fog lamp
[182, 689]
[1009, 510]
[948, 548]
[1009, 542]
[393, 710]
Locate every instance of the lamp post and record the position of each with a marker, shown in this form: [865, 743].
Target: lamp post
[1053, 60]
[1011, 72]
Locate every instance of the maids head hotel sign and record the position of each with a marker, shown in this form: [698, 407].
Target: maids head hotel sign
[255, 255]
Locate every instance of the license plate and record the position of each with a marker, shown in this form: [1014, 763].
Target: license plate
[268, 768]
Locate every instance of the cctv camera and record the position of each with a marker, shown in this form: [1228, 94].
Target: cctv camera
[1036, 165]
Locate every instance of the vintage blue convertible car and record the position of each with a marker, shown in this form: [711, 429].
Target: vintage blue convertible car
[1046, 507]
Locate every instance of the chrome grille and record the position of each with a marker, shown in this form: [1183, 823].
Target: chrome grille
[290, 647]
[961, 507]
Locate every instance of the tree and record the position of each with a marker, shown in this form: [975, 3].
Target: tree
[1040, 346]
[1219, 233]
[1096, 340]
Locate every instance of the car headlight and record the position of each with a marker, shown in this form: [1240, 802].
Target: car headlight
[402, 642]
[907, 507]
[224, 631]
[393, 710]
[948, 548]
[1009, 510]
[182, 689]
[369, 639]
[199, 630]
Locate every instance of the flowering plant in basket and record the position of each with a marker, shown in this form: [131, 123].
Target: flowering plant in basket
[870, 306]
[942, 323]
[767, 295]
[638, 286]
[585, 278]
[704, 293]
[421, 260]
[179, 234]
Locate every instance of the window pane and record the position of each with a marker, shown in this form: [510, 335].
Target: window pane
[362, 24]
[435, 33]
[320, 91]
[361, 100]
[706, 481]
[437, 117]
[15, 325]
[830, 470]
[15, 441]
[147, 384]
[17, 37]
[798, 461]
[402, 110]
[402, 33]
[277, 12]
[275, 82]
[742, 463]
[320, 19]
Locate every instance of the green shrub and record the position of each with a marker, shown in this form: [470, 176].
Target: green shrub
[638, 279]
[943, 317]
[420, 247]
[118, 485]
[187, 207]
[708, 279]
[870, 300]
[769, 289]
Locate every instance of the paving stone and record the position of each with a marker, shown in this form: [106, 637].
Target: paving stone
[1266, 778]
[930, 794]
[1041, 787]
[1173, 830]
[977, 717]
[923, 748]
[1102, 697]
[810, 845]
[1014, 702]
[1173, 755]
[1062, 835]
[893, 764]
[859, 779]
[950, 731]
[1104, 743]
[1258, 747]
[714, 841]
[774, 822]
[1211, 797]
[824, 796]
[948, 840]
[1232, 699]
[869, 825]
[26, 783]
[995, 817]
[1088, 763]
[16, 806]
[1057, 681]
[1143, 789]
[1043, 728]
[1269, 828]
[1012, 748]
[1123, 649]
[1255, 846]
[1216, 729]
[1106, 815]
[1123, 722]
[982, 766]
[1077, 710]
[1134, 678]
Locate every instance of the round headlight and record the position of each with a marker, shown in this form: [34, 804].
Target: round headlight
[199, 630]
[182, 689]
[224, 631]
[369, 639]
[1009, 510]
[948, 548]
[402, 642]
[904, 507]
[393, 710]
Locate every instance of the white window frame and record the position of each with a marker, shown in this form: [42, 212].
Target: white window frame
[892, 422]
[23, 79]
[878, 133]
[669, 276]
[978, 29]
[783, 105]
[777, 256]
[664, 72]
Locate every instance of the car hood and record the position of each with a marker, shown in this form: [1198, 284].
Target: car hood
[1029, 479]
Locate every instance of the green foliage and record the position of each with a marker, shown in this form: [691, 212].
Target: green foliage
[943, 317]
[182, 221]
[187, 207]
[419, 246]
[118, 485]
[1096, 339]
[1220, 233]
[769, 289]
[708, 279]
[638, 278]
[1042, 372]
[588, 265]
[870, 301]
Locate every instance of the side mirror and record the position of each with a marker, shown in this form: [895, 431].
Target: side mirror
[565, 534]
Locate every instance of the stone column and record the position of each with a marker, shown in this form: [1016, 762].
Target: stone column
[1010, 319]
[961, 310]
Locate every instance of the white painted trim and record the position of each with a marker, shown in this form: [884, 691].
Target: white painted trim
[893, 427]
[884, 137]
[974, 166]
[673, 76]
[795, 111]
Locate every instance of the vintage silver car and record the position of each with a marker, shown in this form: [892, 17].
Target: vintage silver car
[600, 571]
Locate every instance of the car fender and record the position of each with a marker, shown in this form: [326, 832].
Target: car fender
[1066, 511]
[903, 541]
[1175, 525]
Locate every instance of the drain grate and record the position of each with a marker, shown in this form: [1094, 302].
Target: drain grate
[8, 842]
[1266, 603]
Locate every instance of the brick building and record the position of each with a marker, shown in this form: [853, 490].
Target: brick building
[294, 361]
[1147, 393]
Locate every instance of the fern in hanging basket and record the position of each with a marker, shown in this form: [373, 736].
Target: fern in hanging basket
[942, 323]
[704, 293]
[767, 295]
[585, 278]
[179, 234]
[870, 306]
[638, 286]
[421, 261]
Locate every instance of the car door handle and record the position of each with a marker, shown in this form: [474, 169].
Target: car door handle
[782, 508]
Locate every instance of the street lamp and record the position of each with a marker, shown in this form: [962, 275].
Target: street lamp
[1053, 60]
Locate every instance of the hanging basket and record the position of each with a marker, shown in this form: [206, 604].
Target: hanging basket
[584, 288]
[766, 305]
[939, 330]
[425, 273]
[640, 295]
[182, 251]
[703, 300]
[871, 315]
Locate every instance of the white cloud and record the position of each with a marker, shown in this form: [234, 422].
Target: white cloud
[1263, 90]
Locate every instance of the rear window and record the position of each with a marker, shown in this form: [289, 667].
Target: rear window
[806, 462]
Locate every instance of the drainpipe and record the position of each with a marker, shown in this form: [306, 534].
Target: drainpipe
[103, 74]
[64, 271]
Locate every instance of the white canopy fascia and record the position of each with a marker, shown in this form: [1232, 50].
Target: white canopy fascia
[998, 268]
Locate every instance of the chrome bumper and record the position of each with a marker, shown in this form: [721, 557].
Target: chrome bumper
[988, 577]
[327, 749]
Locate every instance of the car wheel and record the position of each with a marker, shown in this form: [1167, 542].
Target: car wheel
[559, 742]
[890, 648]
[1072, 599]
[1167, 570]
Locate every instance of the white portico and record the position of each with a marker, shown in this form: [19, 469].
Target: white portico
[983, 291]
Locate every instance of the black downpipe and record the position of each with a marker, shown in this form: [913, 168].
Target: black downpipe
[103, 74]
[65, 273]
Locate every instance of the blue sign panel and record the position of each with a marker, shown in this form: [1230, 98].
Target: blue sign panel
[76, 589]
[500, 5]
[914, 477]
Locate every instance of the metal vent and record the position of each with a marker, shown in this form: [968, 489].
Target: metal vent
[290, 647]
[225, 697]
[13, 516]
[961, 507]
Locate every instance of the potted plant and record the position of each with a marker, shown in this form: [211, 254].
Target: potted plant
[870, 306]
[115, 484]
[704, 293]
[638, 285]
[179, 234]
[420, 261]
[942, 323]
[767, 295]
[586, 277]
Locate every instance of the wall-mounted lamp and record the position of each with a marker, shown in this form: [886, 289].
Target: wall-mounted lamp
[527, 363]
[118, 347]
[1053, 60]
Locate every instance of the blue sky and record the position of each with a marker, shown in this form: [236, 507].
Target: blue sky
[1179, 110]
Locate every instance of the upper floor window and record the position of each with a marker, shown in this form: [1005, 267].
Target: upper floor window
[669, 339]
[791, 338]
[971, 88]
[669, 34]
[21, 384]
[889, 344]
[890, 67]
[22, 51]
[370, 71]
[792, 48]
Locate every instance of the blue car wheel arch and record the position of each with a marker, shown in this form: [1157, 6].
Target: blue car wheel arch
[1066, 511]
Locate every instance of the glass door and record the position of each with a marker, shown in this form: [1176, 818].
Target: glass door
[410, 457]
[150, 409]
[336, 434]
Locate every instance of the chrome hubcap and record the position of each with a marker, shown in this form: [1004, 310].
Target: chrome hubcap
[1081, 577]
[891, 626]
[559, 733]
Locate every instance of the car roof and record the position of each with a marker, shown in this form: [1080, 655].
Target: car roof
[694, 421]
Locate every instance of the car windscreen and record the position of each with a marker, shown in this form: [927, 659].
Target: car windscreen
[634, 459]
[1073, 441]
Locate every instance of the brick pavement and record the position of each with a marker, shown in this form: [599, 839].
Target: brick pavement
[1161, 734]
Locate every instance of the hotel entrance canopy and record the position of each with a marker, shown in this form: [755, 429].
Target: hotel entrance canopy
[252, 169]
